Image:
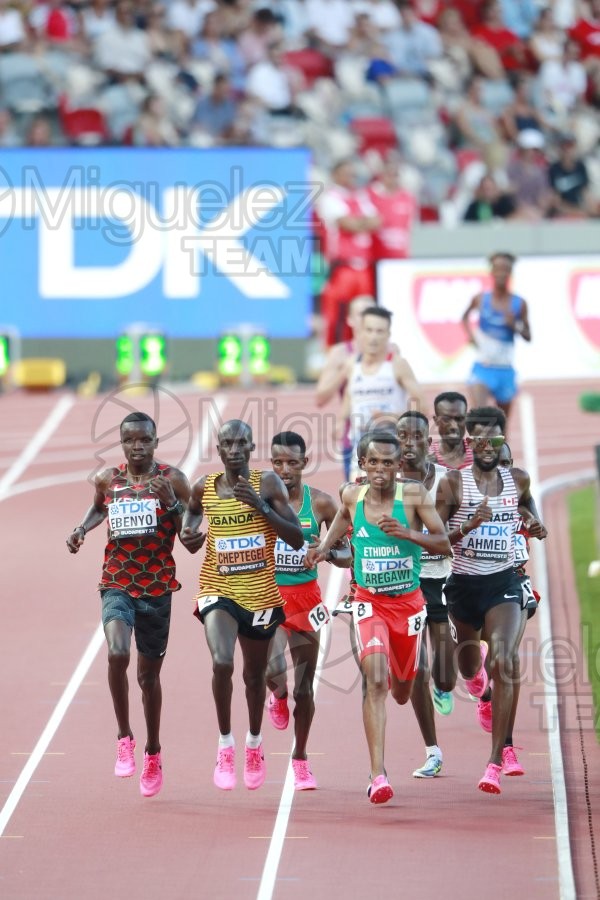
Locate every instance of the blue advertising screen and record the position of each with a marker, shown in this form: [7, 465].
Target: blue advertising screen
[194, 242]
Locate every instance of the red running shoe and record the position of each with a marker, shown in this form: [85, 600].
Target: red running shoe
[490, 783]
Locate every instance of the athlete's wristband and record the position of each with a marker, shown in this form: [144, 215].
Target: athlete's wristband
[177, 507]
[77, 527]
[464, 533]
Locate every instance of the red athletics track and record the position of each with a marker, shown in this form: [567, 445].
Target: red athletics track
[75, 829]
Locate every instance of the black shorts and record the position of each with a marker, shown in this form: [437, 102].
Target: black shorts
[149, 617]
[437, 611]
[259, 626]
[470, 597]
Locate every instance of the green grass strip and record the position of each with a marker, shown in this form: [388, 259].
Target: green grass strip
[584, 549]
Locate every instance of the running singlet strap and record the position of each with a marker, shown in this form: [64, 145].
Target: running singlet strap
[289, 563]
[240, 544]
[489, 548]
[138, 557]
[384, 564]
[435, 566]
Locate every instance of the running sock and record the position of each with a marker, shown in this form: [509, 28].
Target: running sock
[433, 751]
[226, 740]
[253, 740]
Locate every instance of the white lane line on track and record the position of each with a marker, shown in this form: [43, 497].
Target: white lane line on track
[269, 873]
[566, 876]
[44, 432]
[189, 466]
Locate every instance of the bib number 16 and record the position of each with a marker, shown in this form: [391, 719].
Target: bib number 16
[318, 616]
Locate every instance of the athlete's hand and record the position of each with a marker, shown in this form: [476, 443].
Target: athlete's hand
[75, 540]
[192, 540]
[314, 556]
[483, 513]
[313, 545]
[393, 527]
[535, 528]
[245, 493]
[163, 489]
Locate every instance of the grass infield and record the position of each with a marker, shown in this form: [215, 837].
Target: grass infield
[585, 548]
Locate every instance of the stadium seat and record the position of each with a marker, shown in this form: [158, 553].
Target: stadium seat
[311, 63]
[375, 133]
[84, 126]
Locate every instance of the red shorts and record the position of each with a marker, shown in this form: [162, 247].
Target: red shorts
[390, 625]
[304, 608]
[344, 284]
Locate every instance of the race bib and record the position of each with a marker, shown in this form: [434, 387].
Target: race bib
[529, 601]
[426, 556]
[205, 602]
[521, 554]
[238, 555]
[318, 616]
[361, 610]
[490, 540]
[416, 623]
[287, 560]
[262, 617]
[344, 606]
[127, 518]
[388, 574]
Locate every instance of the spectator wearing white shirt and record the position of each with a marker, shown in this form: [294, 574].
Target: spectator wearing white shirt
[563, 82]
[123, 51]
[330, 24]
[272, 84]
[382, 13]
[253, 42]
[414, 44]
[187, 16]
[547, 40]
[12, 27]
[97, 18]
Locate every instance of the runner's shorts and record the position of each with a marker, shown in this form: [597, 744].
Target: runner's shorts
[470, 597]
[499, 380]
[390, 625]
[149, 617]
[304, 607]
[259, 626]
[437, 611]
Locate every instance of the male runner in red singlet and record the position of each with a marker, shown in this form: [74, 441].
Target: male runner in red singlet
[305, 614]
[388, 608]
[238, 599]
[482, 505]
[143, 501]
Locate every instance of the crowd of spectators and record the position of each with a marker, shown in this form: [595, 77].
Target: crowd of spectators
[487, 109]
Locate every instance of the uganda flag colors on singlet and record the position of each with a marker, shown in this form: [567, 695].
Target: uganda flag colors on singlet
[240, 544]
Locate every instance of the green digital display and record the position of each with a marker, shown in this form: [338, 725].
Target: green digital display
[125, 355]
[259, 355]
[153, 354]
[229, 356]
[4, 354]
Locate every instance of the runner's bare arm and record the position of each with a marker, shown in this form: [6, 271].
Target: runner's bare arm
[339, 526]
[448, 500]
[190, 535]
[406, 379]
[527, 507]
[326, 509]
[332, 376]
[466, 319]
[521, 325]
[343, 415]
[421, 511]
[273, 504]
[97, 512]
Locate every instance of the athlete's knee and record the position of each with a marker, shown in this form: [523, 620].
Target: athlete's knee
[222, 666]
[502, 665]
[118, 655]
[148, 678]
[304, 691]
[401, 692]
[254, 679]
[376, 684]
[276, 668]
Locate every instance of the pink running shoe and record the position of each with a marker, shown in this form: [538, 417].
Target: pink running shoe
[254, 768]
[484, 714]
[152, 778]
[510, 763]
[279, 712]
[304, 780]
[125, 764]
[380, 790]
[490, 783]
[477, 685]
[224, 774]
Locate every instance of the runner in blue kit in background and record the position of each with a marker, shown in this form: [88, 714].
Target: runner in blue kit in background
[501, 316]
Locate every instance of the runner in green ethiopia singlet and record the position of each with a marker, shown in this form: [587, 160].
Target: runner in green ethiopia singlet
[289, 563]
[384, 564]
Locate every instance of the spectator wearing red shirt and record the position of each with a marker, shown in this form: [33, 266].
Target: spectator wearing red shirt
[586, 32]
[397, 209]
[349, 219]
[492, 31]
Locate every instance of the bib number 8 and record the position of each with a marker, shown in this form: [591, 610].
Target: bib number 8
[361, 611]
[416, 623]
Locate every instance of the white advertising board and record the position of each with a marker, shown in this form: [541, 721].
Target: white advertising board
[428, 299]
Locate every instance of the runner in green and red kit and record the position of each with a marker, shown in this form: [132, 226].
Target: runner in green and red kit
[389, 608]
[305, 613]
